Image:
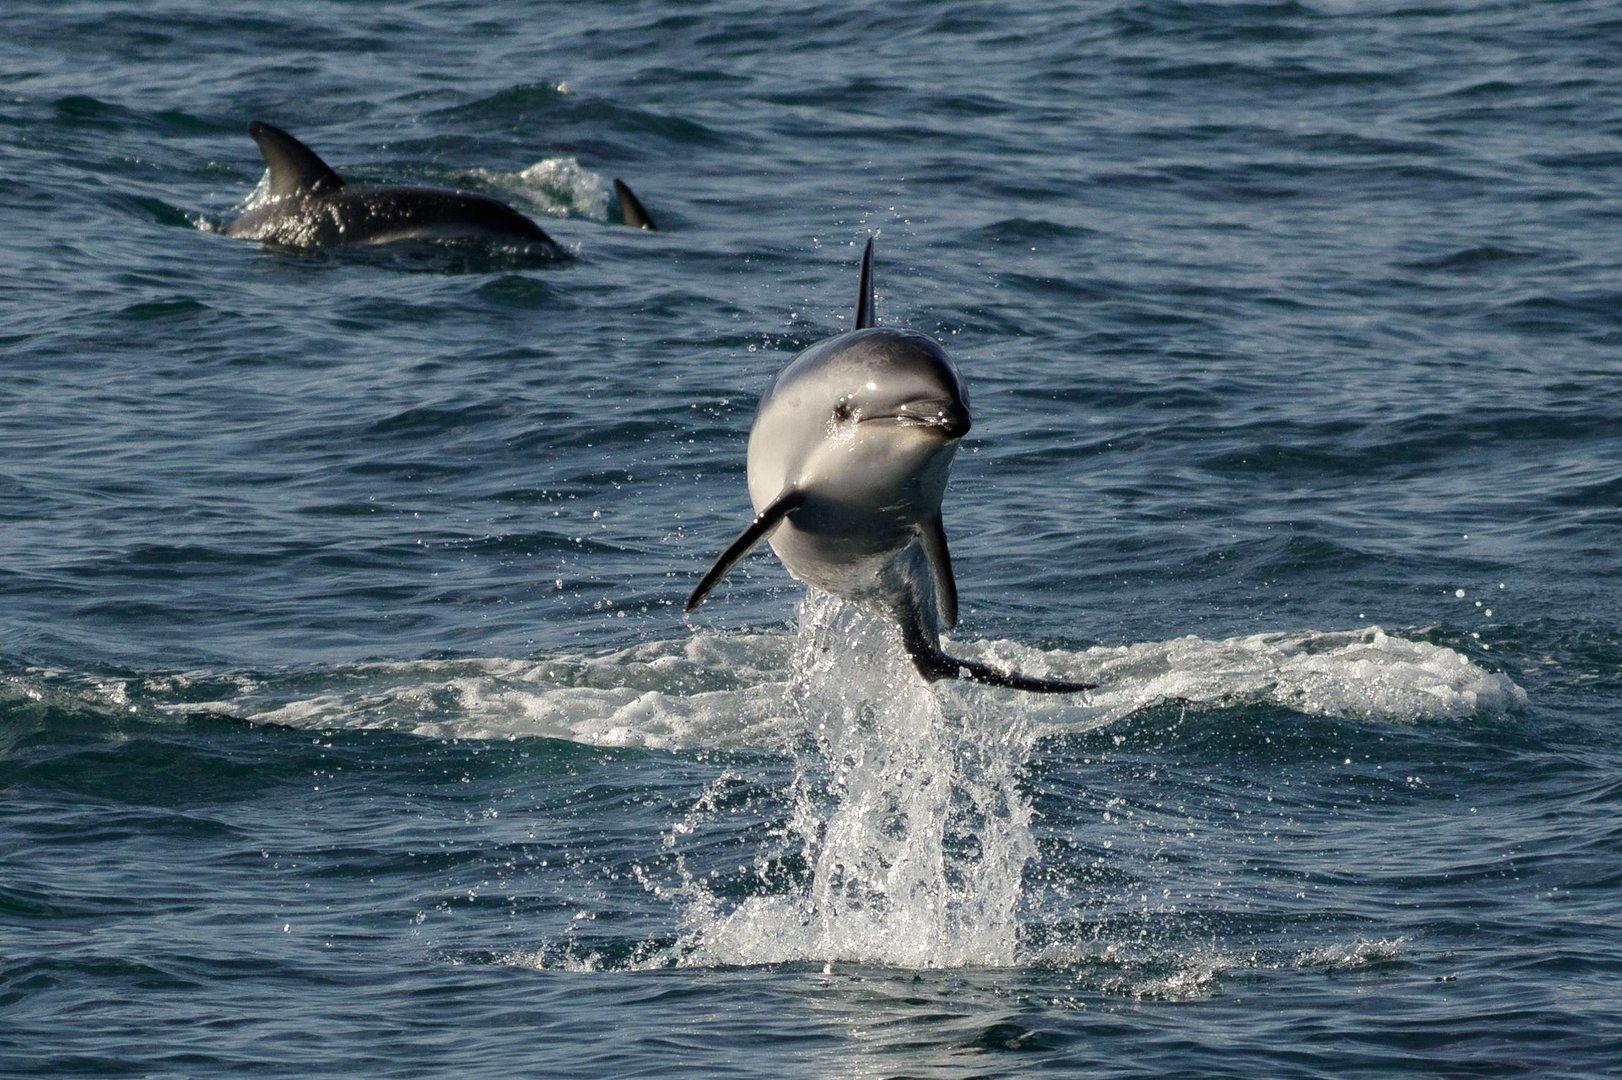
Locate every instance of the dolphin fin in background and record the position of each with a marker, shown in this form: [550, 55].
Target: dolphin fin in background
[294, 167]
[866, 315]
[767, 520]
[631, 209]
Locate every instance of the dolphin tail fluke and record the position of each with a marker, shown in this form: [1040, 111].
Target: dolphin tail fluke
[632, 212]
[293, 166]
[865, 315]
[934, 665]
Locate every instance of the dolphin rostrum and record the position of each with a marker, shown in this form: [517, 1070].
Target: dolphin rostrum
[307, 204]
[848, 459]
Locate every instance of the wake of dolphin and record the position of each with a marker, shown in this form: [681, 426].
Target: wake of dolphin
[908, 821]
[736, 691]
[906, 816]
[904, 837]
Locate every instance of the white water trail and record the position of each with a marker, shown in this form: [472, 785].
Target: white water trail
[907, 821]
[557, 187]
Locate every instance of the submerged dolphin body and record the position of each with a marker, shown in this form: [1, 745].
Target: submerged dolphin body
[307, 204]
[848, 460]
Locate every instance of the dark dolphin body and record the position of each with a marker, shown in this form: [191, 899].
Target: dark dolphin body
[309, 205]
[631, 209]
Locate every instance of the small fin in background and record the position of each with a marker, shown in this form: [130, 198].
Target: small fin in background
[293, 166]
[934, 665]
[631, 209]
[767, 520]
[864, 290]
[932, 538]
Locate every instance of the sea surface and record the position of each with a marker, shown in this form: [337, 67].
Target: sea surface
[349, 724]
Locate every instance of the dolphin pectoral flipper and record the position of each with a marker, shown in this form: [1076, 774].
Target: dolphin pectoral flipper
[934, 665]
[767, 520]
[932, 538]
[293, 166]
[631, 209]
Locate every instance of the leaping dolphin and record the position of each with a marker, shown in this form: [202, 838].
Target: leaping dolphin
[847, 463]
[307, 204]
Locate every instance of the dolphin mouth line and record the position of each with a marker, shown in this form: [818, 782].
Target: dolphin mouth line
[953, 427]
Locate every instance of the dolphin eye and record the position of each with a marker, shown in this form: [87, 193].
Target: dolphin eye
[843, 411]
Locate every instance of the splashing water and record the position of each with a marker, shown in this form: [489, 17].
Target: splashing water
[556, 187]
[728, 691]
[903, 837]
[908, 821]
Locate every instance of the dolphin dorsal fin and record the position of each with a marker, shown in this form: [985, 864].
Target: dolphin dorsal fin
[632, 211]
[864, 290]
[294, 167]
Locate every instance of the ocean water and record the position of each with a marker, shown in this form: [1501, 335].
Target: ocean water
[348, 721]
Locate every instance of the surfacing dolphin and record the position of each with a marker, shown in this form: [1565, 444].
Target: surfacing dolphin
[632, 212]
[307, 204]
[848, 459]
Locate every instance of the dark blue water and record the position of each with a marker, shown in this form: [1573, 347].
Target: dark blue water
[348, 723]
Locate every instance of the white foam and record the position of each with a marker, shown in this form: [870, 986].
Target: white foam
[733, 691]
[904, 835]
[1351, 673]
[556, 187]
[1363, 952]
[699, 691]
